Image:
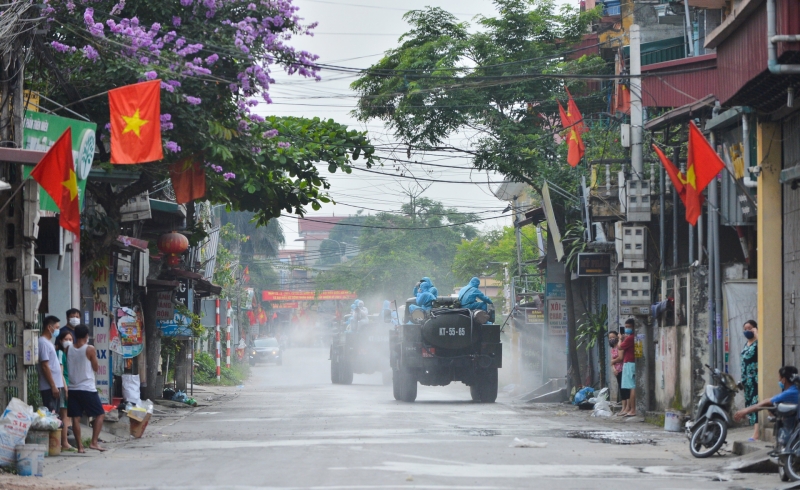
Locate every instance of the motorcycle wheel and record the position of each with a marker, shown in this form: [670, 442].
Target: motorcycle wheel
[713, 438]
[791, 466]
[252, 361]
[782, 470]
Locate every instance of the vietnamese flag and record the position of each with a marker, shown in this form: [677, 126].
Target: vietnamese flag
[136, 123]
[55, 172]
[675, 175]
[692, 199]
[702, 164]
[622, 97]
[574, 125]
[188, 180]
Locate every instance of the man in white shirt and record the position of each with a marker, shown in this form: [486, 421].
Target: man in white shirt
[84, 400]
[51, 378]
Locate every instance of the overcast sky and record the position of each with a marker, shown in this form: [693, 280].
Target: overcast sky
[356, 33]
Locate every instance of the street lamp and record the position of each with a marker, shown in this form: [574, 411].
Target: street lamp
[342, 255]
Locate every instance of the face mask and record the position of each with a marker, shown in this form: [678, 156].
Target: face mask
[628, 331]
[749, 334]
[55, 333]
[780, 383]
[74, 321]
[612, 342]
[66, 344]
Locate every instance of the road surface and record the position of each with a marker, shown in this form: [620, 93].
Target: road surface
[289, 427]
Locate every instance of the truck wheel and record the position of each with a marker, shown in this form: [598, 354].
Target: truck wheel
[387, 377]
[487, 386]
[345, 373]
[408, 386]
[396, 384]
[474, 393]
[334, 371]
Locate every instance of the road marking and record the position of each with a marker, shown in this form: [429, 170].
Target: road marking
[532, 471]
[217, 445]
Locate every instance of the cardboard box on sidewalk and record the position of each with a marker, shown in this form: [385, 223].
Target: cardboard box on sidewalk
[138, 427]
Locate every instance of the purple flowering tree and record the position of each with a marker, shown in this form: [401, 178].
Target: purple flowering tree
[214, 59]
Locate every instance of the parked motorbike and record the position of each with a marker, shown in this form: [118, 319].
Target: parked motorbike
[707, 432]
[787, 438]
[784, 415]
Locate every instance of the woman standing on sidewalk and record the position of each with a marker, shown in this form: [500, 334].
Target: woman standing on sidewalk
[616, 365]
[750, 372]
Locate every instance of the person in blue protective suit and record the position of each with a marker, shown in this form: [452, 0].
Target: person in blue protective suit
[387, 306]
[470, 295]
[419, 284]
[424, 297]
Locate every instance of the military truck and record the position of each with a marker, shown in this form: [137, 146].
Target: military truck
[360, 347]
[447, 344]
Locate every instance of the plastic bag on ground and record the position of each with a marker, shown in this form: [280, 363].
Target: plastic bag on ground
[179, 396]
[14, 424]
[602, 394]
[583, 395]
[602, 409]
[44, 419]
[147, 405]
[131, 388]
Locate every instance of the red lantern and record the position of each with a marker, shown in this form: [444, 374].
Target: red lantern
[173, 244]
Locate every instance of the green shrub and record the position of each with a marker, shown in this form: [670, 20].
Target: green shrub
[206, 371]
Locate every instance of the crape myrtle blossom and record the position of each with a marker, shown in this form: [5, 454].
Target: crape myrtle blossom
[172, 146]
[250, 36]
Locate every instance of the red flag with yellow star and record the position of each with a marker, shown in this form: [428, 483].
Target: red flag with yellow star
[572, 121]
[55, 172]
[136, 123]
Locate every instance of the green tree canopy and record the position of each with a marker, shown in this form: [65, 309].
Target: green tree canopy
[214, 61]
[397, 250]
[500, 82]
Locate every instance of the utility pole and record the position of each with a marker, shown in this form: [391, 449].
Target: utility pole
[518, 235]
[636, 103]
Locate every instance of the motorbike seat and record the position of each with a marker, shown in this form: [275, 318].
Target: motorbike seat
[787, 408]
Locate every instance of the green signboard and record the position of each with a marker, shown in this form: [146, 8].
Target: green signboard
[41, 132]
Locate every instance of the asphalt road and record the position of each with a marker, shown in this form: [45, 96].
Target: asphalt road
[289, 427]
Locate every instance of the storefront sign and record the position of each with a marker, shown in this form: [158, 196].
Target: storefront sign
[594, 264]
[129, 328]
[171, 322]
[557, 316]
[534, 316]
[306, 295]
[556, 290]
[41, 131]
[101, 325]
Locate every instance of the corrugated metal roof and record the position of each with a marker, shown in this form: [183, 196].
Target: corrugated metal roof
[697, 80]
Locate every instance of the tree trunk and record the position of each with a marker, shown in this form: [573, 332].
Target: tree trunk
[152, 344]
[572, 332]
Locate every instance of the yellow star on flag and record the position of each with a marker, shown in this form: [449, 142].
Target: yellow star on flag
[134, 123]
[72, 185]
[690, 178]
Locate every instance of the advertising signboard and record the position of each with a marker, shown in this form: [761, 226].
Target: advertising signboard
[306, 295]
[594, 264]
[40, 132]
